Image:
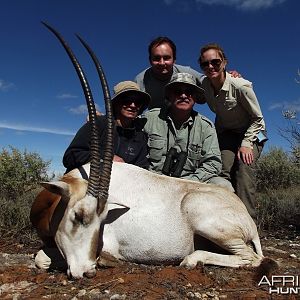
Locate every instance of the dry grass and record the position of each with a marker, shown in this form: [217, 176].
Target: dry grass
[277, 208]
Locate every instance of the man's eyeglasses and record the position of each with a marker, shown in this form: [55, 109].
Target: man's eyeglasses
[216, 62]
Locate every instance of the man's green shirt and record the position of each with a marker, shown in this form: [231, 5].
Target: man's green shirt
[197, 136]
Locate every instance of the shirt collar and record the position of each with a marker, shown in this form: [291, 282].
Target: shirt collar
[226, 85]
[188, 123]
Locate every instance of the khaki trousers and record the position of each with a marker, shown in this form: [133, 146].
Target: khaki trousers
[241, 176]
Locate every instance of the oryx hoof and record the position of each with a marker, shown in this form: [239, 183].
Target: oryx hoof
[189, 262]
[42, 260]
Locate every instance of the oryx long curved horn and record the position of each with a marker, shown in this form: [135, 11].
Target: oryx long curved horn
[108, 151]
[94, 183]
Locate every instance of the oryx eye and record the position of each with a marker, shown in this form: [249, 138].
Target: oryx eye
[78, 218]
[81, 218]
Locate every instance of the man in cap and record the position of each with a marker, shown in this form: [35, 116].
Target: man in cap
[130, 142]
[182, 143]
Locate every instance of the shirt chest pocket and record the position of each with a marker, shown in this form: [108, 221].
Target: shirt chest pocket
[156, 148]
[230, 103]
[194, 157]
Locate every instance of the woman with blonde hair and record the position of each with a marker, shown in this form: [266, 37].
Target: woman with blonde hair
[239, 122]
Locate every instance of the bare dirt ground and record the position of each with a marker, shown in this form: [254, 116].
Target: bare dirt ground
[19, 279]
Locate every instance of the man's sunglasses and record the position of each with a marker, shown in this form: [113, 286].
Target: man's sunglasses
[187, 91]
[216, 62]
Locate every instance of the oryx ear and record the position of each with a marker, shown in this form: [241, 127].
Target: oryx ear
[57, 187]
[116, 205]
[114, 202]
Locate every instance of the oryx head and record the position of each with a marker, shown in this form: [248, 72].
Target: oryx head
[78, 215]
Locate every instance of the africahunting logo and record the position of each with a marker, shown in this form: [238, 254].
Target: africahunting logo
[281, 284]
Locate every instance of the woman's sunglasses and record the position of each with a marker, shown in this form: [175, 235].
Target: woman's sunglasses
[128, 100]
[216, 62]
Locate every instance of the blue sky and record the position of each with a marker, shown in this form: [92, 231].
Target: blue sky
[42, 104]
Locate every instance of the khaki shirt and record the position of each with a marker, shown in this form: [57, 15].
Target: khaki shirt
[204, 157]
[236, 107]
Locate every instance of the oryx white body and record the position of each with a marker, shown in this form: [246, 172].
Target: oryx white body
[153, 219]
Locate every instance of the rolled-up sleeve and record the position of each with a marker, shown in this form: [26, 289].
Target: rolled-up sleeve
[257, 123]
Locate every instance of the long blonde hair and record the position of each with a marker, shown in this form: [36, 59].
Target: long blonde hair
[215, 47]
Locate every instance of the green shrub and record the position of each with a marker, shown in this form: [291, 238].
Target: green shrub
[20, 175]
[21, 172]
[277, 170]
[278, 208]
[14, 217]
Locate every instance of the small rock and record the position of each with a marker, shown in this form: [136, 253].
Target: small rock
[94, 293]
[190, 295]
[17, 296]
[121, 280]
[12, 287]
[117, 297]
[274, 250]
[81, 293]
[293, 255]
[172, 295]
[293, 245]
[212, 294]
[64, 282]
[280, 244]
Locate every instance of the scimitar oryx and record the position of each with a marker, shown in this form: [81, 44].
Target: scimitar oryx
[136, 215]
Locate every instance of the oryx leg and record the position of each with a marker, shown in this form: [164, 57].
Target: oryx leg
[226, 226]
[242, 255]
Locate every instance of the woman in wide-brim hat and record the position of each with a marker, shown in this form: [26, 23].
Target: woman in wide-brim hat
[127, 91]
[130, 142]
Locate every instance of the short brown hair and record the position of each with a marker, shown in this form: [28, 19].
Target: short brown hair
[162, 40]
[215, 47]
